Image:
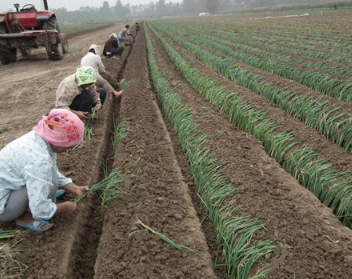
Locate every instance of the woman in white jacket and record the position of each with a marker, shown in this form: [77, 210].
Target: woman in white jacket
[29, 176]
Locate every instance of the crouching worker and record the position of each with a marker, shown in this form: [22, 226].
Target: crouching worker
[112, 48]
[123, 38]
[129, 34]
[29, 176]
[79, 92]
[93, 59]
[138, 27]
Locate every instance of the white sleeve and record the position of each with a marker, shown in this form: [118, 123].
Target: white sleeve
[61, 96]
[100, 65]
[39, 183]
[62, 180]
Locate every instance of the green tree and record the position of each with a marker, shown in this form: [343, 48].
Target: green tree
[160, 8]
[118, 9]
[212, 6]
[106, 9]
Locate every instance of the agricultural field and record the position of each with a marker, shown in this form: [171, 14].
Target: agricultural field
[72, 28]
[230, 150]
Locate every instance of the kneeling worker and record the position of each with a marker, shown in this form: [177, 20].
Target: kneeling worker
[112, 48]
[79, 93]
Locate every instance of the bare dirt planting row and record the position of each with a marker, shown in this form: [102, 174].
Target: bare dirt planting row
[158, 197]
[295, 219]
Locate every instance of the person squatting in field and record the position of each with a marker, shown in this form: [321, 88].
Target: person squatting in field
[123, 37]
[112, 48]
[93, 59]
[29, 177]
[79, 92]
[138, 27]
[129, 34]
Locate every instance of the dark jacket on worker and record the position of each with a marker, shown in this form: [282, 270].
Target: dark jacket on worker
[110, 46]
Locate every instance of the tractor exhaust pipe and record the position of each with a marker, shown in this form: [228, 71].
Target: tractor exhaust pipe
[46, 7]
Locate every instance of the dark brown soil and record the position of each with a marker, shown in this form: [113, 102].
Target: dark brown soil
[311, 243]
[158, 195]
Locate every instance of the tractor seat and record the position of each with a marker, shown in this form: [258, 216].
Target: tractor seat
[28, 8]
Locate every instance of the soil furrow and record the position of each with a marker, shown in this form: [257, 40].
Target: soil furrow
[302, 228]
[158, 195]
[84, 256]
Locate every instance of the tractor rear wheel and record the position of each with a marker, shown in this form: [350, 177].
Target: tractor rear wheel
[64, 42]
[8, 56]
[56, 51]
[50, 24]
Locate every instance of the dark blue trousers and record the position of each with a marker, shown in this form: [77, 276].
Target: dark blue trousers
[84, 101]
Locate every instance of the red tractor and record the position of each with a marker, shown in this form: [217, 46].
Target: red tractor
[29, 28]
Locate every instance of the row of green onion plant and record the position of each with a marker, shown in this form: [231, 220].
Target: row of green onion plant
[332, 187]
[337, 53]
[282, 51]
[286, 33]
[261, 51]
[233, 232]
[330, 121]
[334, 87]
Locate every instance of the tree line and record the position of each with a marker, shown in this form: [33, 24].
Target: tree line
[162, 8]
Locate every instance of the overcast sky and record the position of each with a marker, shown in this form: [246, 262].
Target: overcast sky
[70, 4]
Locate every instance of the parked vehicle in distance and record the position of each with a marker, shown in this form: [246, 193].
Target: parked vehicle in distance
[28, 28]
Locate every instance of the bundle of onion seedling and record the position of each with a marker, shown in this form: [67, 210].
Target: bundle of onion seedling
[168, 240]
[124, 84]
[120, 132]
[87, 127]
[108, 182]
[7, 234]
[111, 191]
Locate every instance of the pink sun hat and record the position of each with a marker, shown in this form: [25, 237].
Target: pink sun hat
[61, 128]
